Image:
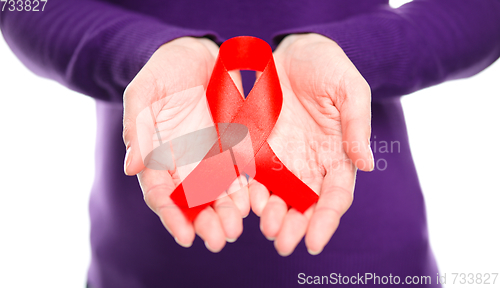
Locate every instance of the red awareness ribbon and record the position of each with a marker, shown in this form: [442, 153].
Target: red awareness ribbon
[259, 112]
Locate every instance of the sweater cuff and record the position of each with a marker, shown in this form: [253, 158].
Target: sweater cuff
[153, 37]
[121, 51]
[378, 46]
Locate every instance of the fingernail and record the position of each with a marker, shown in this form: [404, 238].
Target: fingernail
[284, 254]
[313, 252]
[262, 230]
[281, 253]
[230, 240]
[127, 161]
[210, 249]
[372, 160]
[183, 244]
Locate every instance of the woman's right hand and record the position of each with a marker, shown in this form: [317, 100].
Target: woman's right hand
[173, 77]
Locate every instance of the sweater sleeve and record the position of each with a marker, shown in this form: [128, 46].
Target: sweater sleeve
[422, 43]
[92, 47]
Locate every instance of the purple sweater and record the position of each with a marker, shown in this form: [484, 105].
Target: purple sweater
[97, 47]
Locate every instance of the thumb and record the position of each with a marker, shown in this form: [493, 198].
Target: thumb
[136, 120]
[355, 117]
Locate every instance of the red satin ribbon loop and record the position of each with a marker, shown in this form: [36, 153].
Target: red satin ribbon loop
[259, 112]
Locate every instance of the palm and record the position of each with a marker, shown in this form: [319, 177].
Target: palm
[307, 141]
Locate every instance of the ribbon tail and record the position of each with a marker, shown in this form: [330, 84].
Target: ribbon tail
[282, 182]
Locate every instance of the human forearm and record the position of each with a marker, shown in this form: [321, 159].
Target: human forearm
[420, 44]
[92, 47]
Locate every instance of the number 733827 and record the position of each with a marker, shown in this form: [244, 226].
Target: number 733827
[23, 5]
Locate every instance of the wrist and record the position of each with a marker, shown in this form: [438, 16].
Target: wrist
[297, 40]
[201, 47]
[306, 48]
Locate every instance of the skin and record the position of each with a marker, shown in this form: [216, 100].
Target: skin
[325, 122]
[176, 66]
[326, 101]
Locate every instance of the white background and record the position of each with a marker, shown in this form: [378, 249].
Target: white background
[46, 172]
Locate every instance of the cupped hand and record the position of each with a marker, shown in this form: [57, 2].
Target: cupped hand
[322, 136]
[167, 87]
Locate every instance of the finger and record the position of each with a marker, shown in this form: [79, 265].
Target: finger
[230, 218]
[236, 77]
[335, 198]
[355, 117]
[272, 217]
[157, 187]
[257, 75]
[208, 226]
[293, 229]
[238, 192]
[259, 195]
